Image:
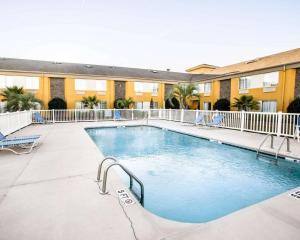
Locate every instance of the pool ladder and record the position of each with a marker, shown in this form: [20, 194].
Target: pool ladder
[129, 173]
[272, 145]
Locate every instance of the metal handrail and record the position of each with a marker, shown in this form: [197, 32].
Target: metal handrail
[264, 140]
[101, 164]
[131, 177]
[281, 144]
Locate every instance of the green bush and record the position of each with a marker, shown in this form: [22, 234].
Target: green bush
[294, 106]
[57, 103]
[222, 105]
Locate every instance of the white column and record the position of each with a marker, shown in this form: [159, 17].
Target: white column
[132, 117]
[170, 113]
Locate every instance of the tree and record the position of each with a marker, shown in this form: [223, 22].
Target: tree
[294, 106]
[246, 103]
[18, 100]
[6, 93]
[90, 102]
[57, 103]
[151, 103]
[121, 103]
[222, 104]
[183, 93]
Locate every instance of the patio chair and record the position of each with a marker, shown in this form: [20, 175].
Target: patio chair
[200, 120]
[23, 142]
[38, 118]
[117, 115]
[297, 130]
[215, 122]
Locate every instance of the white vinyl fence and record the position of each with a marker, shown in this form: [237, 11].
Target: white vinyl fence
[281, 124]
[11, 122]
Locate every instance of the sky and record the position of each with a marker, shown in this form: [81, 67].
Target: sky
[156, 34]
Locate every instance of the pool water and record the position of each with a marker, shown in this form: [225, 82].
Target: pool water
[189, 179]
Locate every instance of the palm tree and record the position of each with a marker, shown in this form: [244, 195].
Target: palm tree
[124, 103]
[183, 93]
[128, 102]
[246, 103]
[21, 102]
[6, 93]
[90, 102]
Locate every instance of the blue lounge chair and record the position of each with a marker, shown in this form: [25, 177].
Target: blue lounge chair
[38, 118]
[117, 115]
[24, 142]
[200, 120]
[216, 121]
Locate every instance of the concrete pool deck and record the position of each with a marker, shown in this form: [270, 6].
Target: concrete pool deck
[52, 194]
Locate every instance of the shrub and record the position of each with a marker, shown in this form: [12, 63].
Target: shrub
[174, 105]
[222, 105]
[57, 103]
[294, 106]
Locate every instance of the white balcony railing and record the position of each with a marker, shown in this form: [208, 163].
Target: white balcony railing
[281, 124]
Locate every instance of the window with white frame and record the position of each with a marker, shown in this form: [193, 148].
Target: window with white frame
[259, 81]
[271, 79]
[243, 83]
[30, 83]
[207, 88]
[201, 88]
[269, 106]
[144, 87]
[90, 85]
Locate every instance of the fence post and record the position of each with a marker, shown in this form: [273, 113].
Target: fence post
[53, 117]
[114, 115]
[149, 114]
[132, 117]
[196, 116]
[95, 115]
[159, 113]
[181, 115]
[170, 113]
[279, 123]
[242, 120]
[75, 112]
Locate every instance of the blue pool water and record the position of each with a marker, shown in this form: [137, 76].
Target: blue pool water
[190, 179]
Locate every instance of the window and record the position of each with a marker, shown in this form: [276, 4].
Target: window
[269, 106]
[90, 85]
[142, 105]
[207, 105]
[143, 87]
[259, 81]
[201, 87]
[271, 79]
[31, 83]
[243, 84]
[207, 87]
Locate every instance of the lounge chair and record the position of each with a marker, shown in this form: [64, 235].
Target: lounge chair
[38, 118]
[216, 121]
[117, 115]
[200, 120]
[297, 129]
[23, 142]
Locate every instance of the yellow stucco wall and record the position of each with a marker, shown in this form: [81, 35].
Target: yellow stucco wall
[283, 93]
[214, 95]
[145, 97]
[72, 96]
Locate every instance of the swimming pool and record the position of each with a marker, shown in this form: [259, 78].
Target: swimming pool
[189, 179]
